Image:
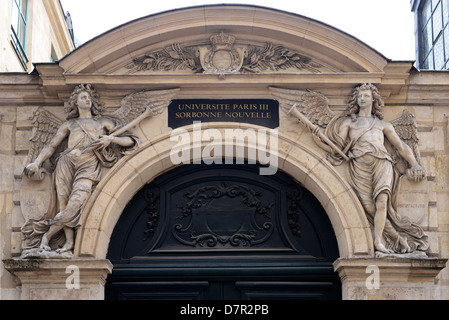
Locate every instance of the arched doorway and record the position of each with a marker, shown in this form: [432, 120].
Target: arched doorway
[223, 232]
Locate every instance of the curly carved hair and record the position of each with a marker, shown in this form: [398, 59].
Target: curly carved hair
[353, 107]
[71, 110]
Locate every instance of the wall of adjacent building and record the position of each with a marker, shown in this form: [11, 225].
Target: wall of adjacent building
[46, 31]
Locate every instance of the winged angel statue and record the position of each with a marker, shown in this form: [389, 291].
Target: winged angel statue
[377, 152]
[76, 152]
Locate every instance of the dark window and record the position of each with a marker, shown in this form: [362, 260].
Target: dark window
[434, 34]
[18, 29]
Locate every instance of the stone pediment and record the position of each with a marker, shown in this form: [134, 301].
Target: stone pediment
[224, 47]
[223, 39]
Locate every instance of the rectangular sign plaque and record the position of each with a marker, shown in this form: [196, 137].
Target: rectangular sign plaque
[262, 112]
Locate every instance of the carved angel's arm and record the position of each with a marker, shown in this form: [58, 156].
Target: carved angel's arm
[48, 150]
[343, 132]
[105, 140]
[405, 151]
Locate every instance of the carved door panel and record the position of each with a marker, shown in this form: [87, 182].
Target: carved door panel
[220, 232]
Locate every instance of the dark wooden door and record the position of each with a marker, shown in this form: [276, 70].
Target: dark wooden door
[223, 232]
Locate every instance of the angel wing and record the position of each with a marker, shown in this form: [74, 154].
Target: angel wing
[135, 104]
[312, 104]
[406, 128]
[45, 126]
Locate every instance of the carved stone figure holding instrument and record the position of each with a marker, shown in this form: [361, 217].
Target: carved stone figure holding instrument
[377, 152]
[81, 147]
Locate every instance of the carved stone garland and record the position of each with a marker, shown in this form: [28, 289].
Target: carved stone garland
[222, 56]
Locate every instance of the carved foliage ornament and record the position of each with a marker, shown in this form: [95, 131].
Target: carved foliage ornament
[222, 56]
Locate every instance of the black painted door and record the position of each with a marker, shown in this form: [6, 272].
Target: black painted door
[223, 232]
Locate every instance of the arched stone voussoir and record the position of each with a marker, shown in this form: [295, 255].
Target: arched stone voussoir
[132, 172]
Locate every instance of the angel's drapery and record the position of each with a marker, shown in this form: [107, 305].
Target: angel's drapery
[69, 179]
[371, 172]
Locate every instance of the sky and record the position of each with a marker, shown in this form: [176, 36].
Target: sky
[385, 25]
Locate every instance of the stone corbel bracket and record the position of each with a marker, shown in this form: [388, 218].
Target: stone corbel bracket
[56, 279]
[389, 278]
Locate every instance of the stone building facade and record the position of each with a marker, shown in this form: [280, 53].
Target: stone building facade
[137, 224]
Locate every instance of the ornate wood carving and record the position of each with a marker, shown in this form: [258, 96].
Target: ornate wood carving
[153, 215]
[294, 210]
[197, 231]
[171, 58]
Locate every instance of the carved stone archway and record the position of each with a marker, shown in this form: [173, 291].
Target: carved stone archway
[117, 188]
[113, 64]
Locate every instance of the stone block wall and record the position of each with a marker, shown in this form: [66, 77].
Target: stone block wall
[427, 201]
[8, 192]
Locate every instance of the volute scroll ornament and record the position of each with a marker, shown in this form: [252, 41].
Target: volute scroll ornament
[66, 161]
